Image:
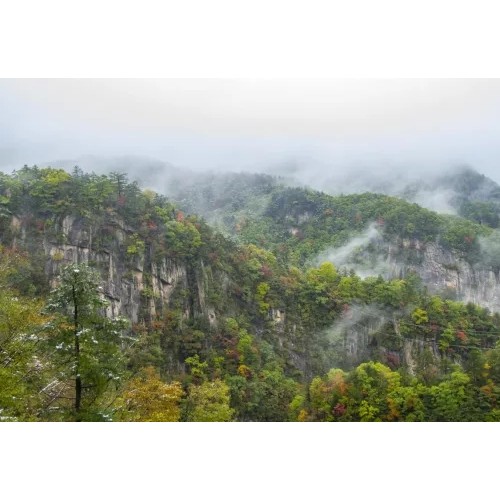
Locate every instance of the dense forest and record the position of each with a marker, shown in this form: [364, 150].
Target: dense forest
[218, 303]
[263, 210]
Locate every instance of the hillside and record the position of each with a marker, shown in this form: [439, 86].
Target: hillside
[374, 234]
[459, 190]
[248, 327]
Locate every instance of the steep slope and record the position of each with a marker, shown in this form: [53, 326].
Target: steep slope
[467, 192]
[152, 258]
[257, 322]
[370, 233]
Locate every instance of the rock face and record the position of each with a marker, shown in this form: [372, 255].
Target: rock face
[360, 341]
[136, 285]
[443, 272]
[141, 285]
[448, 274]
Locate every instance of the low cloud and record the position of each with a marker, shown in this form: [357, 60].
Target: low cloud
[440, 201]
[362, 254]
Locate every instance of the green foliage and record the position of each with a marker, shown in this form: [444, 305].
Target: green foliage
[296, 224]
[197, 368]
[87, 343]
[373, 392]
[23, 367]
[260, 297]
[419, 316]
[462, 235]
[371, 385]
[208, 402]
[182, 238]
[482, 212]
[451, 400]
[22, 371]
[137, 246]
[253, 329]
[262, 396]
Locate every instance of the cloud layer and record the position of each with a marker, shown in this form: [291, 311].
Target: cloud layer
[317, 127]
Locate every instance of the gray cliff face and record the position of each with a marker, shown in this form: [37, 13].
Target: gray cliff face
[135, 286]
[445, 273]
[138, 286]
[364, 340]
[476, 284]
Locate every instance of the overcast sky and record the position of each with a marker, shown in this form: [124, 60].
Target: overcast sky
[315, 125]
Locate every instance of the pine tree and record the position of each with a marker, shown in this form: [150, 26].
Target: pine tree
[85, 341]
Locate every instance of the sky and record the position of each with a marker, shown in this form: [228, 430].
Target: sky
[313, 126]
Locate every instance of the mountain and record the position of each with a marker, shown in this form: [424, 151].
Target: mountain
[370, 233]
[459, 190]
[463, 191]
[256, 313]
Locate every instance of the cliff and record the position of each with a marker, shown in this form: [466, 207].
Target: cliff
[444, 272]
[137, 284]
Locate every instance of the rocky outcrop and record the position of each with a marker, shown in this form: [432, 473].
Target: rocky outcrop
[372, 333]
[136, 286]
[443, 272]
[359, 334]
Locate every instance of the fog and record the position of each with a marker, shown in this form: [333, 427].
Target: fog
[334, 135]
[490, 251]
[361, 254]
[351, 333]
[350, 256]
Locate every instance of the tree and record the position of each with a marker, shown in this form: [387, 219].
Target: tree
[209, 402]
[147, 398]
[88, 343]
[182, 237]
[327, 396]
[262, 397]
[451, 400]
[22, 368]
[371, 384]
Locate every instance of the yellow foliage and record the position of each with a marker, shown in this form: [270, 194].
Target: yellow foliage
[147, 398]
[244, 371]
[303, 416]
[420, 316]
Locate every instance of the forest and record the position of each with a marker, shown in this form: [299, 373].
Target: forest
[213, 304]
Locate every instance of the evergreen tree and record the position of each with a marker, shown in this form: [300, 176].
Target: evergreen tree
[86, 342]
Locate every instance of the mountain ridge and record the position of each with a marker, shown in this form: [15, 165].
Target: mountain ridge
[205, 309]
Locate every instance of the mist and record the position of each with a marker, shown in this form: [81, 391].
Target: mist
[357, 317]
[351, 333]
[333, 135]
[490, 251]
[355, 255]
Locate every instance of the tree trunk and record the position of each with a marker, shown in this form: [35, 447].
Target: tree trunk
[78, 380]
